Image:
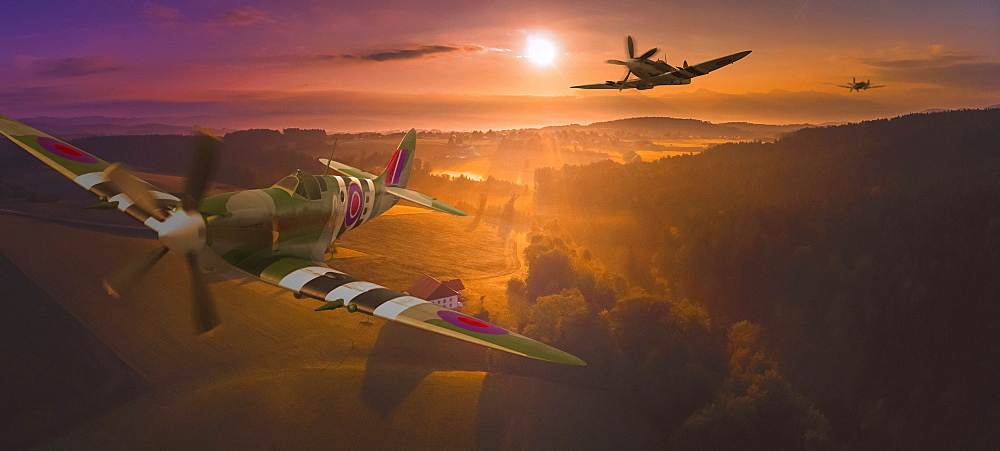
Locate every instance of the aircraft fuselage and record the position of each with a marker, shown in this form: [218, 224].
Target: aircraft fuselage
[301, 216]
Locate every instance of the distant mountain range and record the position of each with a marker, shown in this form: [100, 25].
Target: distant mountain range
[649, 127]
[658, 127]
[82, 127]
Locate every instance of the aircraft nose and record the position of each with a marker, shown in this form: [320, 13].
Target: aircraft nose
[182, 231]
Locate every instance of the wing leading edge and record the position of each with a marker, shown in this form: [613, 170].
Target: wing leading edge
[81, 167]
[605, 85]
[336, 289]
[689, 72]
[347, 170]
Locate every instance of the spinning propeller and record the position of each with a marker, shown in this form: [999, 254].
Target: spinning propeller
[633, 63]
[181, 230]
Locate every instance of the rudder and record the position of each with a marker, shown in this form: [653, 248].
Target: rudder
[397, 171]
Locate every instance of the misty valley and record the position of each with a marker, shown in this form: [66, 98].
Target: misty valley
[775, 287]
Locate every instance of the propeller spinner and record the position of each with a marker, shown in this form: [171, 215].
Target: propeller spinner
[633, 64]
[181, 230]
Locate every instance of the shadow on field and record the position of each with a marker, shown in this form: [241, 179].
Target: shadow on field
[531, 404]
[55, 373]
[403, 356]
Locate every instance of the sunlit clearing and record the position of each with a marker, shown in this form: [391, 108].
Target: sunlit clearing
[457, 174]
[541, 51]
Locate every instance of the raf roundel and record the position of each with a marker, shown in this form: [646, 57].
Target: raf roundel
[355, 204]
[66, 151]
[469, 323]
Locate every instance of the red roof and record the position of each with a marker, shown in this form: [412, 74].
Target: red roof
[454, 284]
[429, 288]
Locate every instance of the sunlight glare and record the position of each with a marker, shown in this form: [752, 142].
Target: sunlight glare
[541, 51]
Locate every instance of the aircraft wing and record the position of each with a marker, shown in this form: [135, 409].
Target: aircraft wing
[605, 85]
[347, 170]
[81, 167]
[689, 72]
[876, 86]
[319, 281]
[423, 199]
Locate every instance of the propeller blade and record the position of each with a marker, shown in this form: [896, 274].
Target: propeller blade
[631, 47]
[621, 85]
[201, 166]
[205, 315]
[135, 189]
[648, 53]
[620, 63]
[127, 276]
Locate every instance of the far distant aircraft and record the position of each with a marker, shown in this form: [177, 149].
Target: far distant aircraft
[277, 235]
[856, 85]
[656, 73]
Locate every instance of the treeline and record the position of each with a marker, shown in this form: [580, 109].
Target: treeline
[703, 386]
[668, 127]
[259, 158]
[867, 253]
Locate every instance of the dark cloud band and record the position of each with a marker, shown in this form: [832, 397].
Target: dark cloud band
[74, 67]
[419, 52]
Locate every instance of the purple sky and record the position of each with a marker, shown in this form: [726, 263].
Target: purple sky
[351, 66]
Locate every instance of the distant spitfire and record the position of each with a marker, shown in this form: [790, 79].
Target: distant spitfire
[856, 85]
[656, 73]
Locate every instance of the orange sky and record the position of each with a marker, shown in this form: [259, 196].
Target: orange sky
[358, 66]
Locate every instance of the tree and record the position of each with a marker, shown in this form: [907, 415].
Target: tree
[758, 408]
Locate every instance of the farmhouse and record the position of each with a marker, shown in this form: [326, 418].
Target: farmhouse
[446, 294]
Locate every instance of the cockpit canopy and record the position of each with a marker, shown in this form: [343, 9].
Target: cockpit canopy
[303, 185]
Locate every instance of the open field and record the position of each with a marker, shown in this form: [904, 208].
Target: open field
[276, 373]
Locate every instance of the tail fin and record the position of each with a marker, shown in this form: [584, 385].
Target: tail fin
[393, 179]
[397, 172]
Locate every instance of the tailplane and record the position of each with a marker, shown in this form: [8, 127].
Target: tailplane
[393, 179]
[423, 199]
[397, 172]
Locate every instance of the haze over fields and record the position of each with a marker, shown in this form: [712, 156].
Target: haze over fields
[760, 258]
[700, 288]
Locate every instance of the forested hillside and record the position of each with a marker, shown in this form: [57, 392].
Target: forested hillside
[859, 262]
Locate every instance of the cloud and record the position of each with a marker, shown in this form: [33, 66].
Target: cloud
[414, 53]
[160, 13]
[930, 61]
[941, 67]
[423, 51]
[70, 67]
[245, 17]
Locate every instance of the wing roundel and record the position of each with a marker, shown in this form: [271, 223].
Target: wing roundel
[318, 281]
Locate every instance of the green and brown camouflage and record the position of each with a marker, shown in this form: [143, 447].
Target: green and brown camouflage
[280, 234]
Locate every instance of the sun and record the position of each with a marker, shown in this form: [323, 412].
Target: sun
[541, 51]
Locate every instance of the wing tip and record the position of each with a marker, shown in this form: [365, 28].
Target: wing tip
[554, 355]
[572, 360]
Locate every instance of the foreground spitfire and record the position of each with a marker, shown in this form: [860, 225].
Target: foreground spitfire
[278, 235]
[856, 85]
[656, 73]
